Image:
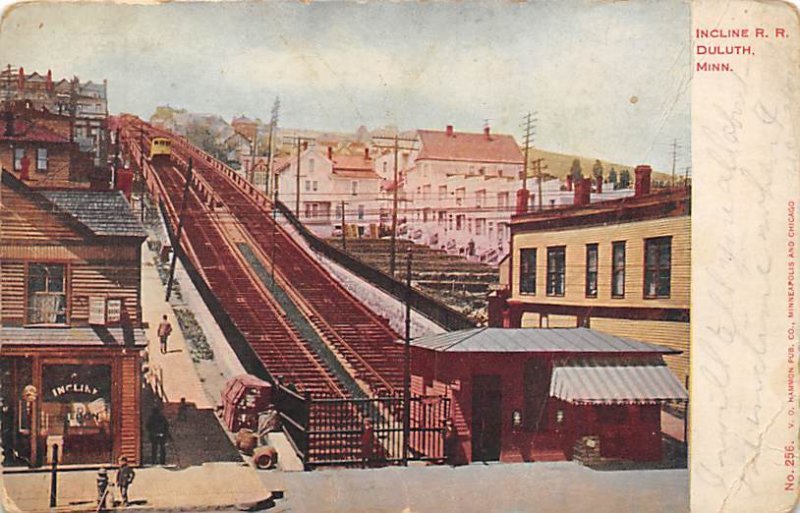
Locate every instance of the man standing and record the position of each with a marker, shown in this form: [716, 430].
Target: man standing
[125, 475]
[157, 430]
[164, 331]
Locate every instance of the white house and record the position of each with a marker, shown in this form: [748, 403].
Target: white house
[328, 182]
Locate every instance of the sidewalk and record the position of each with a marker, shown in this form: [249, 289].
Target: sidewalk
[175, 368]
[207, 487]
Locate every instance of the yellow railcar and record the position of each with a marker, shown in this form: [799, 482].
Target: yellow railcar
[160, 147]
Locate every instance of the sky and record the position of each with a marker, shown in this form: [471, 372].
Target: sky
[607, 80]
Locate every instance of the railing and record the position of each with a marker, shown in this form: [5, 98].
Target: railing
[437, 312]
[361, 432]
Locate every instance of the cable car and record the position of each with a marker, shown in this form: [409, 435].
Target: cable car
[160, 147]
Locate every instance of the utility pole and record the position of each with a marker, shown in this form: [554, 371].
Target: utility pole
[299, 140]
[178, 232]
[141, 170]
[274, 235]
[273, 121]
[407, 365]
[393, 255]
[297, 190]
[674, 159]
[539, 167]
[529, 125]
[395, 147]
[686, 171]
[344, 232]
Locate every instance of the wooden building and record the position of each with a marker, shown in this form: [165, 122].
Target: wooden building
[37, 147]
[71, 337]
[542, 394]
[622, 267]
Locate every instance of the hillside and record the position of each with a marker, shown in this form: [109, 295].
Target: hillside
[559, 164]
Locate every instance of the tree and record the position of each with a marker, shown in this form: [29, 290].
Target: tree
[575, 171]
[597, 169]
[624, 179]
[612, 177]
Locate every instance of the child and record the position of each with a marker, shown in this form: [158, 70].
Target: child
[125, 475]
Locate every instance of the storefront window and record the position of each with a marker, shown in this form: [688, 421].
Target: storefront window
[76, 411]
[17, 409]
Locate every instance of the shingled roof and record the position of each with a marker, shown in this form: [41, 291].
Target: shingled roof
[469, 147]
[105, 213]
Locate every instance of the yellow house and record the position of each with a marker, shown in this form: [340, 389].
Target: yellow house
[622, 267]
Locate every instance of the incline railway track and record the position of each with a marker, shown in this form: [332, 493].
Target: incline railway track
[359, 336]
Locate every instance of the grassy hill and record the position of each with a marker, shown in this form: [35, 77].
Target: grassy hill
[559, 164]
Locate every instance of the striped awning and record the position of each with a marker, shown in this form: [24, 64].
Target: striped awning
[615, 384]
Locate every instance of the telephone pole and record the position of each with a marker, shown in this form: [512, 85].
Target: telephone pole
[273, 122]
[344, 231]
[178, 232]
[299, 142]
[529, 125]
[539, 168]
[675, 148]
[395, 146]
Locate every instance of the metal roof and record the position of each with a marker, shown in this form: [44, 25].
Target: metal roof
[534, 340]
[98, 336]
[589, 382]
[105, 213]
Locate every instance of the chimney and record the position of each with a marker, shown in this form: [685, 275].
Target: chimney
[583, 191]
[642, 186]
[366, 153]
[523, 197]
[487, 131]
[305, 145]
[449, 131]
[49, 83]
[569, 182]
[599, 187]
[21, 79]
[330, 153]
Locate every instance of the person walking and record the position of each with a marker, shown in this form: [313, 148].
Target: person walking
[125, 475]
[164, 331]
[157, 430]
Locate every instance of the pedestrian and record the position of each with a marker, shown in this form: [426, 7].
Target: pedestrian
[157, 430]
[164, 331]
[183, 407]
[368, 444]
[125, 475]
[451, 443]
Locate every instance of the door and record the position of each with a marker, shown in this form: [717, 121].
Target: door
[486, 417]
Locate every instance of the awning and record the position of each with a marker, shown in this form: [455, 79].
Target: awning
[615, 384]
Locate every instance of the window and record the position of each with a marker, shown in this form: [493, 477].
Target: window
[480, 226]
[502, 200]
[314, 186]
[591, 270]
[47, 298]
[442, 192]
[556, 271]
[527, 271]
[354, 188]
[19, 153]
[459, 222]
[310, 165]
[480, 198]
[657, 267]
[308, 185]
[361, 212]
[618, 269]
